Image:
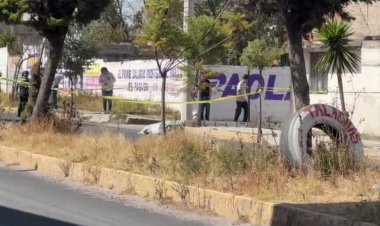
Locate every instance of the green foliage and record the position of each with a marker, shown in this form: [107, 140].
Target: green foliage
[117, 24]
[7, 38]
[209, 7]
[51, 17]
[163, 29]
[259, 54]
[338, 58]
[78, 52]
[236, 26]
[207, 37]
[103, 33]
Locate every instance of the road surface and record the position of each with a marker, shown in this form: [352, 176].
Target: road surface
[29, 199]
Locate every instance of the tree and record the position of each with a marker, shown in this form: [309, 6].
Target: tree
[8, 39]
[209, 7]
[103, 33]
[338, 58]
[245, 23]
[78, 54]
[207, 37]
[163, 31]
[300, 17]
[120, 22]
[240, 29]
[259, 55]
[51, 18]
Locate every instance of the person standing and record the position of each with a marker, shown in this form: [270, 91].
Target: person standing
[54, 91]
[23, 88]
[107, 81]
[241, 99]
[205, 94]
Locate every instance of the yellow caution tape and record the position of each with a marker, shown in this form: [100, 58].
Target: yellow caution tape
[221, 99]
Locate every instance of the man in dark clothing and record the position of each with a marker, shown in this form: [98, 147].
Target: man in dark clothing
[53, 100]
[23, 88]
[241, 99]
[205, 94]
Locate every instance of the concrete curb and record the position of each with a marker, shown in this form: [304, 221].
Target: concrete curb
[224, 204]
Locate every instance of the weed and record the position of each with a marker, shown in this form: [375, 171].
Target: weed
[65, 167]
[159, 190]
[183, 191]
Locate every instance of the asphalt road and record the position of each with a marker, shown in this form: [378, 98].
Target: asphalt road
[29, 199]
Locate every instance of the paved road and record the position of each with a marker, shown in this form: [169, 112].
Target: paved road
[27, 199]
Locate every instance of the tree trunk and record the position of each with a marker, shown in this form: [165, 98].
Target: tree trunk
[71, 98]
[297, 65]
[341, 92]
[163, 104]
[199, 83]
[259, 127]
[41, 107]
[15, 79]
[249, 98]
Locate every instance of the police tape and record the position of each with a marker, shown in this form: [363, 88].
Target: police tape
[148, 102]
[24, 83]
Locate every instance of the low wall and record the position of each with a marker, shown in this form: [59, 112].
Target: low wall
[140, 80]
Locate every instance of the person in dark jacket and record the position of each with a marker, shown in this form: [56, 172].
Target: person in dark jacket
[23, 89]
[205, 94]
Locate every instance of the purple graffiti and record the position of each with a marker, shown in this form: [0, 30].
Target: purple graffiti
[269, 94]
[255, 81]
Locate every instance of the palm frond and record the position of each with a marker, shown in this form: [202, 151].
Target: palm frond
[338, 58]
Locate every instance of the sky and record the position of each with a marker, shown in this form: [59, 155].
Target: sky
[132, 5]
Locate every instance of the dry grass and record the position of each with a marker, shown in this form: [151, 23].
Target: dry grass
[89, 102]
[5, 101]
[187, 158]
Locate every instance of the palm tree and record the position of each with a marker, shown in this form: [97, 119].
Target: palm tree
[338, 58]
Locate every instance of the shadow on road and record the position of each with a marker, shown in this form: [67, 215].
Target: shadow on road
[19, 218]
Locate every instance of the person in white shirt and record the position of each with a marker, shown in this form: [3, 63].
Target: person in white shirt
[107, 81]
[241, 99]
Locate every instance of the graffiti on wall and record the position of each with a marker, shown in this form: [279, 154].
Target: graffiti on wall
[254, 82]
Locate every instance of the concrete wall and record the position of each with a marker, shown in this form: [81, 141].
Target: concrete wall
[140, 80]
[276, 105]
[3, 68]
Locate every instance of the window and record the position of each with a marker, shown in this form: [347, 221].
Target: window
[318, 82]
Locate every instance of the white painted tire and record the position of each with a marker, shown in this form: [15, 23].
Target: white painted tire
[293, 140]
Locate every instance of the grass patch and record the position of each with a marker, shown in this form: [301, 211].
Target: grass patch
[199, 160]
[91, 102]
[6, 101]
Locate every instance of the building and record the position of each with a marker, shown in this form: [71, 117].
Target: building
[362, 89]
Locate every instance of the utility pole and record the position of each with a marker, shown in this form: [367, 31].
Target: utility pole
[187, 110]
[187, 13]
